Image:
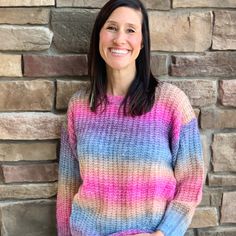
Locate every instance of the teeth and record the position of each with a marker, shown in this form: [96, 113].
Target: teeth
[119, 51]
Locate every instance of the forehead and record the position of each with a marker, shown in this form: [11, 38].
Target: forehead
[126, 15]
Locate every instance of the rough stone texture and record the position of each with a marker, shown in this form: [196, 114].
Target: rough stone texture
[28, 191]
[25, 38]
[30, 126]
[189, 233]
[206, 199]
[228, 213]
[159, 64]
[180, 31]
[10, 65]
[24, 16]
[26, 95]
[81, 3]
[65, 89]
[30, 173]
[215, 194]
[39, 151]
[206, 153]
[227, 92]
[204, 3]
[29, 218]
[220, 231]
[72, 29]
[16, 3]
[45, 66]
[205, 217]
[221, 180]
[211, 64]
[157, 4]
[224, 33]
[200, 92]
[224, 152]
[217, 119]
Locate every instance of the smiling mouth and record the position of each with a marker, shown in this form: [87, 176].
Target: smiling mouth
[119, 52]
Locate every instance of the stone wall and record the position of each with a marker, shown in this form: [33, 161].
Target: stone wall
[43, 46]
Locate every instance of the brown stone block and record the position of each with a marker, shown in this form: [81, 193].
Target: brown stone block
[204, 3]
[205, 217]
[30, 173]
[224, 33]
[228, 213]
[182, 32]
[28, 191]
[72, 29]
[28, 38]
[38, 151]
[45, 65]
[211, 64]
[29, 218]
[200, 92]
[217, 119]
[219, 231]
[30, 126]
[26, 3]
[26, 95]
[24, 16]
[224, 152]
[81, 3]
[10, 65]
[65, 89]
[227, 92]
[157, 4]
[221, 180]
[159, 64]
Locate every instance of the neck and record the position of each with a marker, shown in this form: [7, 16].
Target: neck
[119, 81]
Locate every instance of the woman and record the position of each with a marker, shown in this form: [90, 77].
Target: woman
[130, 161]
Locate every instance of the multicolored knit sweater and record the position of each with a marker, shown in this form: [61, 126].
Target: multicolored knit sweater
[121, 175]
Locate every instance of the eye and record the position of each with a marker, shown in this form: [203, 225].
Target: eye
[130, 30]
[112, 28]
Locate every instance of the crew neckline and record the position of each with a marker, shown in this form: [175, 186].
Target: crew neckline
[115, 99]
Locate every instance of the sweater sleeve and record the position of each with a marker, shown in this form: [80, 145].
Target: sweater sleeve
[188, 170]
[69, 178]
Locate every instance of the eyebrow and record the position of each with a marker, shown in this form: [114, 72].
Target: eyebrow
[114, 22]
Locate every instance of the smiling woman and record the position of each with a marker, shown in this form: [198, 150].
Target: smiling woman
[130, 159]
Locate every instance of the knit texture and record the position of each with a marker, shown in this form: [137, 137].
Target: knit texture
[121, 175]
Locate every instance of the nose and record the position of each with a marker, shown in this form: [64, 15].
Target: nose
[119, 38]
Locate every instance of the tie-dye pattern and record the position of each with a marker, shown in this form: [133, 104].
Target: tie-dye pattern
[121, 175]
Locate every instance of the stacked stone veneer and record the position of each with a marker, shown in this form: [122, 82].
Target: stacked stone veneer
[43, 61]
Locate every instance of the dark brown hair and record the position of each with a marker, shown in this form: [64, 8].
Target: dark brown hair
[141, 93]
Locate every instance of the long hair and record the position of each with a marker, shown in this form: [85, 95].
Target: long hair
[141, 93]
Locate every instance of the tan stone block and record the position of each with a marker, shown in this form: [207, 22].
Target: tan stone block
[224, 32]
[24, 16]
[204, 3]
[65, 89]
[39, 151]
[224, 152]
[221, 180]
[200, 92]
[30, 172]
[28, 191]
[227, 92]
[217, 119]
[29, 38]
[157, 4]
[28, 217]
[17, 3]
[36, 95]
[81, 3]
[159, 64]
[30, 126]
[205, 217]
[10, 65]
[219, 231]
[181, 31]
[228, 213]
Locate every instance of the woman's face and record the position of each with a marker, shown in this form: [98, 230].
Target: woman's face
[121, 38]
